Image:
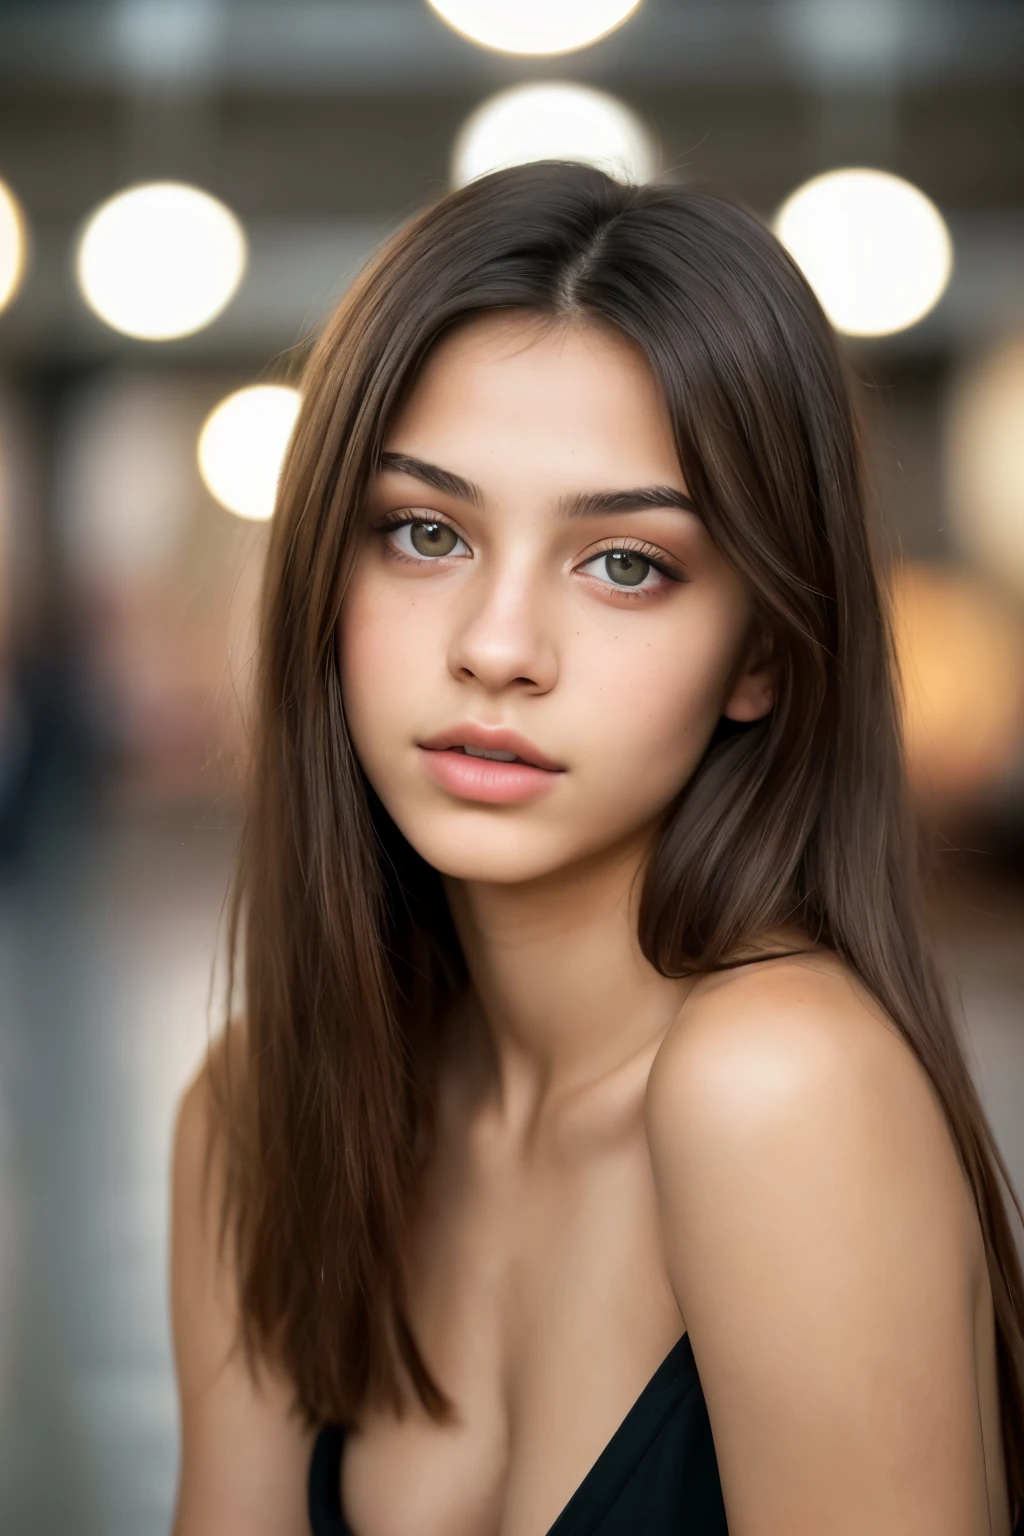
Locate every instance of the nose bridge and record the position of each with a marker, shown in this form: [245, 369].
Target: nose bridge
[505, 624]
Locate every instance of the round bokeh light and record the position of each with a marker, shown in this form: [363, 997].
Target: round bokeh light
[534, 26]
[13, 244]
[873, 247]
[553, 120]
[160, 260]
[984, 454]
[242, 446]
[961, 654]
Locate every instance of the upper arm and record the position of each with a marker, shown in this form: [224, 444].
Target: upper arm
[244, 1457]
[818, 1233]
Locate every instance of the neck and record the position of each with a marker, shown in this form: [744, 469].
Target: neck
[560, 993]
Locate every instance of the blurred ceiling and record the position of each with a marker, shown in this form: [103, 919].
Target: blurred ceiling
[392, 45]
[324, 123]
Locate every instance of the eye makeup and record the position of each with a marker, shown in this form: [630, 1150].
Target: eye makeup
[667, 568]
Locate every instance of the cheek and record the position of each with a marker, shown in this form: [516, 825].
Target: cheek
[652, 702]
[377, 656]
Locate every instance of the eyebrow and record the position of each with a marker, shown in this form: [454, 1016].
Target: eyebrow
[442, 480]
[580, 504]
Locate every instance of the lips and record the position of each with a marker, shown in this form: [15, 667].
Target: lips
[471, 733]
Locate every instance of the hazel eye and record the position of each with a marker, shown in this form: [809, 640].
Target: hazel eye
[418, 538]
[626, 567]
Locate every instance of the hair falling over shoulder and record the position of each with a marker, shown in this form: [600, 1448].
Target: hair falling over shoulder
[340, 932]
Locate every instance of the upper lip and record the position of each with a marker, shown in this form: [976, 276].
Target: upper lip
[469, 733]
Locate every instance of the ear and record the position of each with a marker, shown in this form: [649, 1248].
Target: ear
[753, 686]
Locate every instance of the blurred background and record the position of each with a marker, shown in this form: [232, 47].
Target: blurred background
[186, 186]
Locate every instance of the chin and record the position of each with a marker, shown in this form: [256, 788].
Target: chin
[492, 855]
[477, 844]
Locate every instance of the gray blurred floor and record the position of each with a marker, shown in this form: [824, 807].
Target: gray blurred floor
[105, 950]
[104, 959]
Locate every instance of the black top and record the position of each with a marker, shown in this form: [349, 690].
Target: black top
[657, 1474]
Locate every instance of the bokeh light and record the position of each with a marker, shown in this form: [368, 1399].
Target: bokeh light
[242, 446]
[534, 26]
[553, 120]
[961, 653]
[984, 452]
[160, 260]
[874, 248]
[13, 244]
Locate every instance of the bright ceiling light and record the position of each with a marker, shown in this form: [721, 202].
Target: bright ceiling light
[875, 250]
[242, 445]
[160, 260]
[13, 244]
[552, 121]
[534, 26]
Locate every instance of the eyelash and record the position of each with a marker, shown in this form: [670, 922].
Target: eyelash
[395, 520]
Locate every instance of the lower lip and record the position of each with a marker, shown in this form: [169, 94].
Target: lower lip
[484, 778]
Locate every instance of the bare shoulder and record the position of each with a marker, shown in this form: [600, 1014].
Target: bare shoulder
[806, 1002]
[243, 1452]
[200, 1109]
[797, 1042]
[822, 1241]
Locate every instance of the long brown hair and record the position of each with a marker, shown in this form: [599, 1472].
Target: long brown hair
[350, 955]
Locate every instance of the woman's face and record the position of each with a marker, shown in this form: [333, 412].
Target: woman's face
[530, 561]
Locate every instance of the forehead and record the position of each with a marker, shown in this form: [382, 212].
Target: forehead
[515, 385]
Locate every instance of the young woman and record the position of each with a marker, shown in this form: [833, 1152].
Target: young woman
[594, 1152]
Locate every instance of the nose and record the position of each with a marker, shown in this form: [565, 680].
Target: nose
[503, 633]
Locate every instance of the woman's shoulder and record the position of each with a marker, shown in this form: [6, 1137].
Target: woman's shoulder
[795, 1060]
[211, 1113]
[216, 1081]
[818, 1227]
[808, 1009]
[244, 1451]
[203, 1274]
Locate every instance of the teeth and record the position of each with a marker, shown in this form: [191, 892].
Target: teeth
[498, 757]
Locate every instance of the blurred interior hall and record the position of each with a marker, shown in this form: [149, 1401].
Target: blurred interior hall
[186, 188]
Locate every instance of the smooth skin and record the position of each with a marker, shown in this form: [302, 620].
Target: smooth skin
[757, 1156]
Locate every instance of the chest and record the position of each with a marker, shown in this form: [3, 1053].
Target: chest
[541, 1302]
